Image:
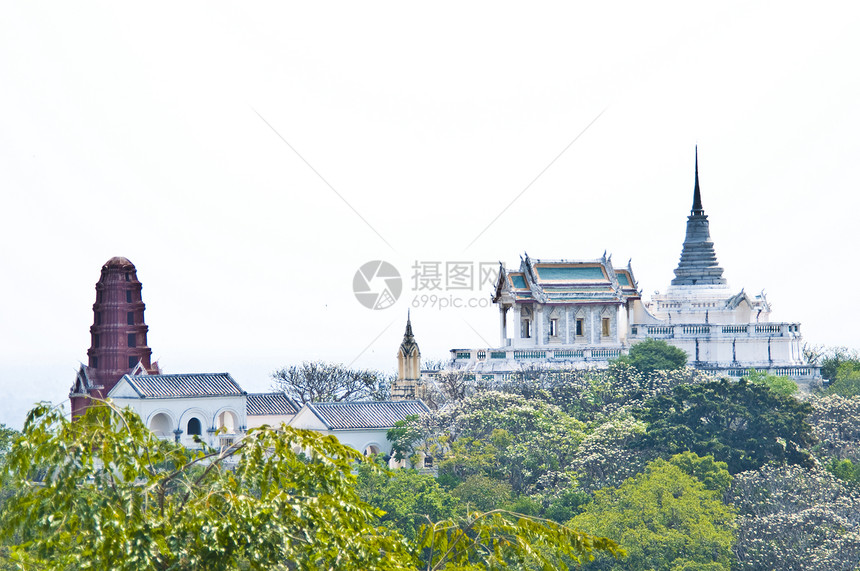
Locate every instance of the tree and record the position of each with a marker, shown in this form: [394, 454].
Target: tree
[834, 357]
[655, 355]
[448, 386]
[835, 422]
[409, 499]
[846, 382]
[482, 493]
[780, 385]
[491, 540]
[405, 436]
[713, 475]
[103, 492]
[795, 518]
[526, 438]
[845, 470]
[664, 519]
[605, 458]
[316, 381]
[742, 424]
[109, 494]
[7, 437]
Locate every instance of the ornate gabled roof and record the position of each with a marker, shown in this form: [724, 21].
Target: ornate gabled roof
[628, 284]
[357, 415]
[408, 344]
[83, 384]
[698, 264]
[271, 404]
[184, 385]
[567, 281]
[736, 300]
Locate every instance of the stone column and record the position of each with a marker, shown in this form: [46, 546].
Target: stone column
[518, 326]
[503, 325]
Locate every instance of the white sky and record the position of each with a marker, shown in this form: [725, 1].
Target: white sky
[133, 131]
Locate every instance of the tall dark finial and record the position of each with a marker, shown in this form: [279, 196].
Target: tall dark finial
[697, 195]
[698, 264]
[408, 338]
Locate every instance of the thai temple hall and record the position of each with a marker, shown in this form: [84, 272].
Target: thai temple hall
[567, 314]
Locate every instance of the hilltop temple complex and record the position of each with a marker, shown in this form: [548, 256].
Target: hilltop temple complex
[567, 314]
[553, 314]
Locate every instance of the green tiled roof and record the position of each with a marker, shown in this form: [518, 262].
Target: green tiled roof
[570, 273]
[519, 282]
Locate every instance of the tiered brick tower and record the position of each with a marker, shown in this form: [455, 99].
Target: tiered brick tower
[118, 335]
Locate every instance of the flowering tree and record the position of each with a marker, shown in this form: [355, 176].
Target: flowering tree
[835, 422]
[523, 438]
[795, 518]
[605, 459]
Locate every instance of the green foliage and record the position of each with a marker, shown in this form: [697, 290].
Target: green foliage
[469, 456]
[713, 475]
[664, 519]
[655, 355]
[780, 385]
[834, 358]
[404, 437]
[525, 505]
[509, 437]
[482, 493]
[7, 437]
[846, 382]
[409, 499]
[595, 394]
[567, 504]
[103, 492]
[845, 470]
[742, 424]
[492, 540]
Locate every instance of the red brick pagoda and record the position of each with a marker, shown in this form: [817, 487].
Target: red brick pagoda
[118, 335]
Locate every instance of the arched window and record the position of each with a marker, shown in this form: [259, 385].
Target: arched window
[161, 425]
[228, 421]
[371, 449]
[194, 427]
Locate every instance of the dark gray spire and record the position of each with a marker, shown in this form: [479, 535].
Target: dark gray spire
[698, 264]
[408, 342]
[697, 195]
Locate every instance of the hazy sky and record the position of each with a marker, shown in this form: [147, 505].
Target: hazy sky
[249, 157]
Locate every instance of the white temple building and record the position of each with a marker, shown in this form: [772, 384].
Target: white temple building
[565, 314]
